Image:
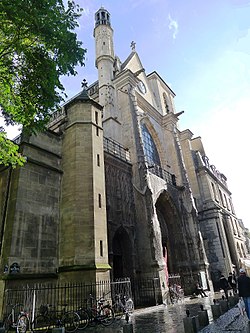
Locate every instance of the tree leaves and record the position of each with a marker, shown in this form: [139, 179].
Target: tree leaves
[37, 45]
[9, 152]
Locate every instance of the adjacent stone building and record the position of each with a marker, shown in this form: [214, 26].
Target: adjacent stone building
[223, 237]
[114, 189]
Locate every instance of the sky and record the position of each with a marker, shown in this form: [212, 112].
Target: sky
[201, 49]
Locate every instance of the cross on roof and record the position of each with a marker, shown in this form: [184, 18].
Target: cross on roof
[132, 45]
[84, 84]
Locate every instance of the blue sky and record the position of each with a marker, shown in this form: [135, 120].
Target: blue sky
[202, 50]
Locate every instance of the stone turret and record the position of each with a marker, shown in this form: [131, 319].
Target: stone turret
[106, 65]
[83, 248]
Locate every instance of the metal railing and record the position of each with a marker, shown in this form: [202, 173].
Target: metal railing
[114, 148]
[75, 295]
[144, 292]
[164, 174]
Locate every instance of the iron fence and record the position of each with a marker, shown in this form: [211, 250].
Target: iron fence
[69, 295]
[146, 292]
[114, 148]
[174, 279]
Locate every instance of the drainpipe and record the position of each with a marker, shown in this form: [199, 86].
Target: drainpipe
[5, 207]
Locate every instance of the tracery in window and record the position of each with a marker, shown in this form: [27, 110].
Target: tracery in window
[149, 147]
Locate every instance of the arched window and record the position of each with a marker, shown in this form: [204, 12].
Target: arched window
[149, 147]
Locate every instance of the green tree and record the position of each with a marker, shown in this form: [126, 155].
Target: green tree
[9, 151]
[37, 46]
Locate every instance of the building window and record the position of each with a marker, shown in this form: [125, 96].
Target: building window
[149, 147]
[231, 205]
[101, 248]
[100, 200]
[96, 117]
[221, 198]
[234, 226]
[225, 200]
[221, 244]
[97, 131]
[98, 160]
[214, 192]
[237, 227]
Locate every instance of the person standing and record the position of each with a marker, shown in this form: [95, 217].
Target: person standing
[232, 282]
[244, 290]
[224, 285]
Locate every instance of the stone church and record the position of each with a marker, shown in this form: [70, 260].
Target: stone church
[106, 192]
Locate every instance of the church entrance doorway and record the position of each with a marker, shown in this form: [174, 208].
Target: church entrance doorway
[170, 231]
[122, 254]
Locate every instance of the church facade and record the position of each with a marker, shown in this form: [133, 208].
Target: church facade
[110, 189]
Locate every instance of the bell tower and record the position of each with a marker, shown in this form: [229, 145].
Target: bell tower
[105, 59]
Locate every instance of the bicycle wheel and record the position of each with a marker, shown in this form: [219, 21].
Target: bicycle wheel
[93, 317]
[71, 321]
[129, 305]
[22, 324]
[84, 319]
[118, 310]
[7, 323]
[106, 316]
[40, 324]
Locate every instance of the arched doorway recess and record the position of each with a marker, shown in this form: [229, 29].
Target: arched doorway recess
[122, 254]
[171, 233]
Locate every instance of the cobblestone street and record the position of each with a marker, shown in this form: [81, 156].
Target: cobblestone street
[161, 319]
[169, 319]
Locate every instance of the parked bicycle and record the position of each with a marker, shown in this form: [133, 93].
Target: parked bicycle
[84, 318]
[123, 306]
[17, 319]
[176, 293]
[100, 312]
[49, 318]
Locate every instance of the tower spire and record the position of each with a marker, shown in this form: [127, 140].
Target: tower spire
[102, 16]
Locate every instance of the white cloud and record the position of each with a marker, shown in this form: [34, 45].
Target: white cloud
[173, 25]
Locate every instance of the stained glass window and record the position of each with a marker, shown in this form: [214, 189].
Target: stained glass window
[149, 147]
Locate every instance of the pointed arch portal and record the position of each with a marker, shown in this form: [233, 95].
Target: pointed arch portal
[170, 225]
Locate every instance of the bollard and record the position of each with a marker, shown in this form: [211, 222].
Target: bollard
[236, 299]
[196, 324]
[203, 318]
[191, 324]
[231, 302]
[223, 305]
[128, 328]
[216, 310]
[58, 330]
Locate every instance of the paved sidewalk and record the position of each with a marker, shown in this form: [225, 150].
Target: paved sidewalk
[232, 321]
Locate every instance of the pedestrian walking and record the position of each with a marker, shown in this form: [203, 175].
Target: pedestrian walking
[224, 285]
[232, 282]
[244, 290]
[199, 290]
